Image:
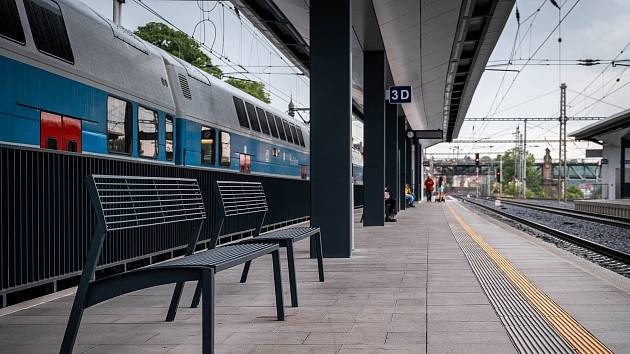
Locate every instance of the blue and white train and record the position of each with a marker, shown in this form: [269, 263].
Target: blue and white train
[74, 81]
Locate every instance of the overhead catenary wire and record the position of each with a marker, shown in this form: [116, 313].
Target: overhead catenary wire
[279, 93]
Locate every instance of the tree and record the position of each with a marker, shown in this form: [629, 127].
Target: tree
[534, 187]
[254, 88]
[182, 46]
[574, 192]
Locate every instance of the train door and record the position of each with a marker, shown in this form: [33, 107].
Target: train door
[60, 133]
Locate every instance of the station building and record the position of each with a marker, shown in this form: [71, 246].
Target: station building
[613, 133]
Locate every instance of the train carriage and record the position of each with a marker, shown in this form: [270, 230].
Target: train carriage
[74, 81]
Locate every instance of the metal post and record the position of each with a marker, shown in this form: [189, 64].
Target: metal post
[417, 185]
[331, 106]
[374, 135]
[501, 174]
[525, 160]
[562, 188]
[117, 16]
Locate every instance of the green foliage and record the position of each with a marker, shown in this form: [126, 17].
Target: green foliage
[181, 45]
[574, 192]
[254, 88]
[534, 187]
[177, 43]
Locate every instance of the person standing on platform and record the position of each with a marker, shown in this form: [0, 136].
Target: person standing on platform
[441, 184]
[428, 185]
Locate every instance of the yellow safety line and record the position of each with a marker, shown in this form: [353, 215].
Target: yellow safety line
[573, 332]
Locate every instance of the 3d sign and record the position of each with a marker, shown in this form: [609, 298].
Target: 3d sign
[399, 94]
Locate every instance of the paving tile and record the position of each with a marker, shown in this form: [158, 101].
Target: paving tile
[408, 289]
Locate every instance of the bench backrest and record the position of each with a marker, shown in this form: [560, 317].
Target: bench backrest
[125, 202]
[130, 202]
[237, 198]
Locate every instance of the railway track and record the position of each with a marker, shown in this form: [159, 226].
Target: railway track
[611, 258]
[595, 217]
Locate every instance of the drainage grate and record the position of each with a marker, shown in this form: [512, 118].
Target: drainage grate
[529, 332]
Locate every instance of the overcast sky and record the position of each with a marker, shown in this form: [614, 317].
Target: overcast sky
[594, 29]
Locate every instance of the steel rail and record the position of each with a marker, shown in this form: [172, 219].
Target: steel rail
[588, 216]
[590, 245]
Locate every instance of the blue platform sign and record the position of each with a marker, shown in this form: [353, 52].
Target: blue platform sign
[399, 94]
[604, 162]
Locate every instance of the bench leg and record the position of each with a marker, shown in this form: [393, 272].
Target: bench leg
[172, 308]
[320, 256]
[292, 275]
[196, 296]
[277, 280]
[207, 312]
[245, 271]
[74, 322]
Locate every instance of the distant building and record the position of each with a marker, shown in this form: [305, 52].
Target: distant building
[613, 133]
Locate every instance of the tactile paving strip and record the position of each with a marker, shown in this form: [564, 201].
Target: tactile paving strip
[534, 322]
[527, 329]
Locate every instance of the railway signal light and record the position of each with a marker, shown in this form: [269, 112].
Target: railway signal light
[476, 159]
[498, 175]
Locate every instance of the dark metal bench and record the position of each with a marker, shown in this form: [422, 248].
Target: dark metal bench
[237, 198]
[124, 203]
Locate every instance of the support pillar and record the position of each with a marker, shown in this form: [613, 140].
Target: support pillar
[331, 125]
[402, 161]
[374, 137]
[391, 148]
[409, 161]
[417, 165]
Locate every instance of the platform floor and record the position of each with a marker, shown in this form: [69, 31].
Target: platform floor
[408, 288]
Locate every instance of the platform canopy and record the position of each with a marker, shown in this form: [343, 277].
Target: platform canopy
[611, 128]
[440, 48]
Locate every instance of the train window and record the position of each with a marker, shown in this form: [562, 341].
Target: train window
[168, 146]
[300, 136]
[10, 26]
[119, 126]
[272, 125]
[303, 171]
[253, 117]
[245, 163]
[147, 133]
[263, 121]
[240, 112]
[226, 149]
[51, 143]
[281, 132]
[287, 130]
[296, 140]
[207, 145]
[48, 28]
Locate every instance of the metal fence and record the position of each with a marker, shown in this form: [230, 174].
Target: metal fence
[46, 219]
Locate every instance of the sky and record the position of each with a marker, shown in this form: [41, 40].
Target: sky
[593, 29]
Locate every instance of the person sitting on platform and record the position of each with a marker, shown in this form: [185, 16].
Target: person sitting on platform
[409, 197]
[390, 206]
[428, 185]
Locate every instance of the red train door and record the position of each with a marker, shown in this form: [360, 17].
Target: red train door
[60, 133]
[50, 131]
[71, 134]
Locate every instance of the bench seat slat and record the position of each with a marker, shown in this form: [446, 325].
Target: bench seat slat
[222, 257]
